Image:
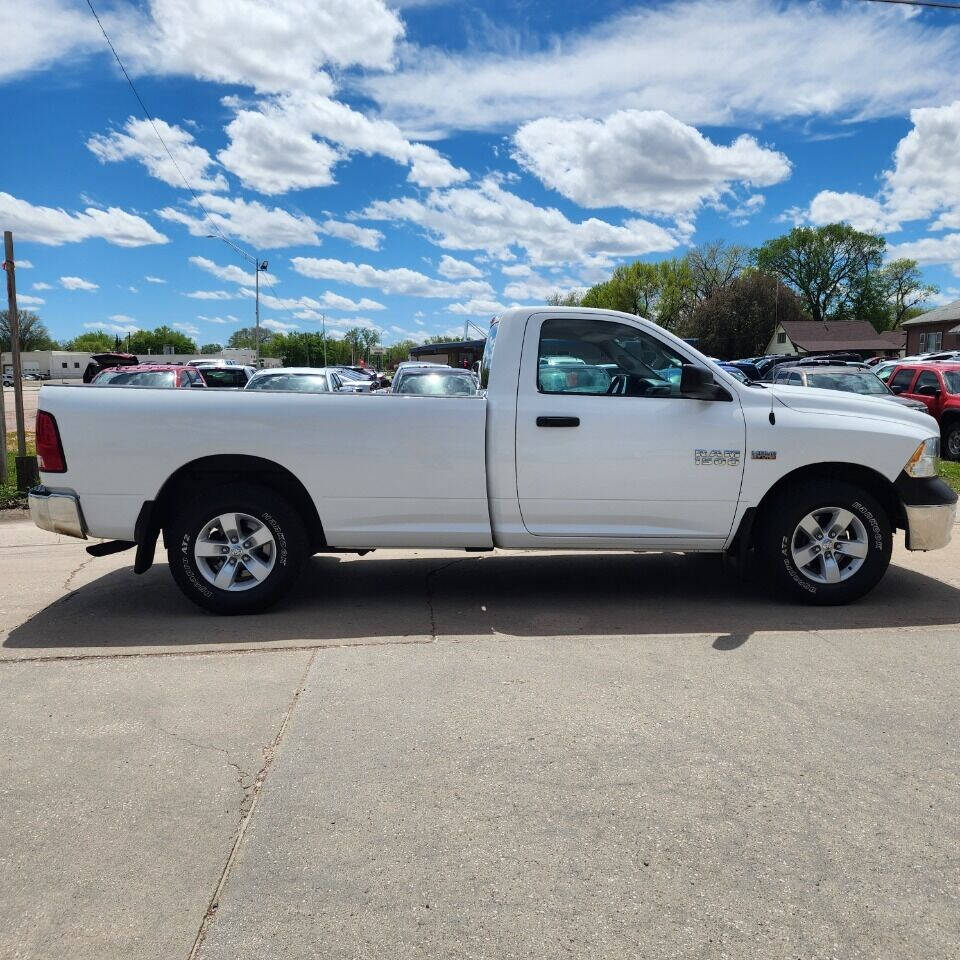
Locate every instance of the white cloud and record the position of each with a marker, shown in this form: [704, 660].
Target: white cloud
[278, 46]
[278, 327]
[25, 300]
[247, 220]
[923, 181]
[274, 145]
[454, 269]
[711, 63]
[121, 318]
[516, 270]
[232, 273]
[112, 327]
[930, 251]
[78, 283]
[42, 286]
[333, 301]
[644, 160]
[23, 264]
[477, 308]
[138, 141]
[365, 237]
[187, 328]
[538, 289]
[154, 279]
[45, 31]
[229, 318]
[54, 226]
[211, 295]
[489, 218]
[399, 280]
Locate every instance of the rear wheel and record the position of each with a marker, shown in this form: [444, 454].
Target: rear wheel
[825, 542]
[236, 549]
[951, 440]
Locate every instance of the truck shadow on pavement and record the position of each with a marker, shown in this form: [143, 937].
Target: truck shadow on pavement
[348, 600]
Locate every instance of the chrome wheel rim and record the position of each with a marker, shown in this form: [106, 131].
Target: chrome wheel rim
[829, 545]
[235, 552]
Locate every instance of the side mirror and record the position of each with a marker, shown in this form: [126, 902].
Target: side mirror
[198, 383]
[697, 383]
[929, 390]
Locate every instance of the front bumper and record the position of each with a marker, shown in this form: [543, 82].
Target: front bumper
[57, 511]
[930, 509]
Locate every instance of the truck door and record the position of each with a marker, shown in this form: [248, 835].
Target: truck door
[605, 445]
[928, 389]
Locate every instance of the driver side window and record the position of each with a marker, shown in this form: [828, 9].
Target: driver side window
[604, 358]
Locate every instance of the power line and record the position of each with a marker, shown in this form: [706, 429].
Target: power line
[153, 124]
[936, 4]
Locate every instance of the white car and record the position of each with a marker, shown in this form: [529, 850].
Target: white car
[301, 380]
[645, 446]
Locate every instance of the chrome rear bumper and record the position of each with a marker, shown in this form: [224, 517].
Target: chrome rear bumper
[57, 511]
[929, 526]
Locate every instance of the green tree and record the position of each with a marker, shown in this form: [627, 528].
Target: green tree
[156, 341]
[714, 266]
[33, 333]
[905, 290]
[739, 319]
[211, 348]
[96, 341]
[560, 299]
[825, 265]
[244, 338]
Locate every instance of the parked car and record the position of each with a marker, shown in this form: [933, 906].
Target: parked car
[937, 386]
[735, 370]
[360, 382]
[8, 379]
[442, 382]
[850, 378]
[232, 377]
[104, 361]
[377, 377]
[301, 380]
[682, 457]
[748, 368]
[149, 375]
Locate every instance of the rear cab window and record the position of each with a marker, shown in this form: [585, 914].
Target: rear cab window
[902, 379]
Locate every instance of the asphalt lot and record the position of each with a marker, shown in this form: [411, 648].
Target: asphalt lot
[434, 754]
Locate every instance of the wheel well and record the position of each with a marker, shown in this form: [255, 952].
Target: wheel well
[192, 477]
[874, 483]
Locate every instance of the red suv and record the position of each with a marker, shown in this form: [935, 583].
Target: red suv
[938, 386]
[150, 375]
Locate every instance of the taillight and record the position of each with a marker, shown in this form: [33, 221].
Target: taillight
[49, 447]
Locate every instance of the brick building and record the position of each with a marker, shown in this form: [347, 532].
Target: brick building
[935, 330]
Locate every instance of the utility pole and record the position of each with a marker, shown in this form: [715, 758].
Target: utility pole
[258, 266]
[26, 466]
[323, 321]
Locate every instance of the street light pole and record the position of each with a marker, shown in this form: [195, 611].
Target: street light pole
[258, 266]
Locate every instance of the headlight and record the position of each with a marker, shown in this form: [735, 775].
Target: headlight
[925, 459]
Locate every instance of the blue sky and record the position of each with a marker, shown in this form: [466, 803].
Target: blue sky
[414, 165]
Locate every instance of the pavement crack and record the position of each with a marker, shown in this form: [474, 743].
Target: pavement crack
[247, 808]
[430, 584]
[243, 778]
[75, 571]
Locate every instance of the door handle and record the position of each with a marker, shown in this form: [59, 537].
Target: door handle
[558, 421]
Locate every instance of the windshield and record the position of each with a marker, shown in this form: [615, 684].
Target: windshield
[439, 385]
[735, 372]
[141, 378]
[348, 374]
[290, 382]
[867, 383]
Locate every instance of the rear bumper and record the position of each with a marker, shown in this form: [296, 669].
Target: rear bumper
[57, 511]
[930, 509]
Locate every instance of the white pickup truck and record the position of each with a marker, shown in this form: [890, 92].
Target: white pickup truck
[593, 430]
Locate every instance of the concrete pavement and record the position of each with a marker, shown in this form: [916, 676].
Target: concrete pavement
[435, 754]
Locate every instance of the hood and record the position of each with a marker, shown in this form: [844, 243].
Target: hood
[837, 402]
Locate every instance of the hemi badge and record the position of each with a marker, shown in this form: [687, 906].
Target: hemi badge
[763, 454]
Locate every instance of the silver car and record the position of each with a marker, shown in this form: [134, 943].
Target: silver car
[852, 379]
[300, 380]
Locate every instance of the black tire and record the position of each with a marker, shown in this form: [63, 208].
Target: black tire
[951, 441]
[778, 535]
[288, 548]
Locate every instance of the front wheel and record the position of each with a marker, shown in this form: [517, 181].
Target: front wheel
[236, 549]
[951, 440]
[826, 542]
